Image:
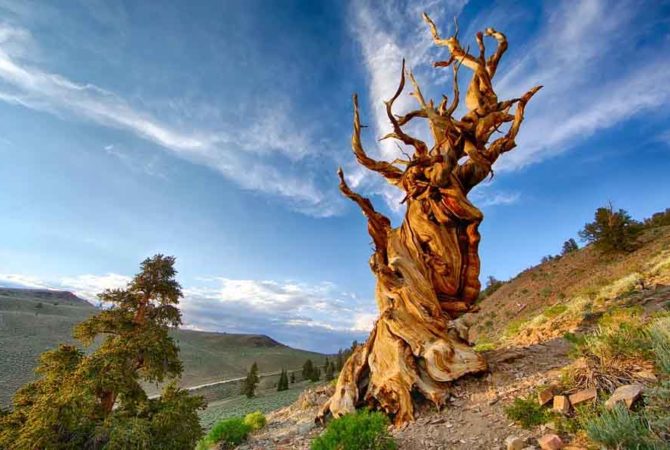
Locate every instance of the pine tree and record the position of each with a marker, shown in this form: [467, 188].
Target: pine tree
[326, 364]
[80, 399]
[282, 384]
[329, 371]
[251, 381]
[340, 360]
[316, 375]
[569, 246]
[308, 370]
[292, 377]
[611, 230]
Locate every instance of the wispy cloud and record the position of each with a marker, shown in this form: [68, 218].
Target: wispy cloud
[595, 73]
[483, 197]
[236, 152]
[313, 316]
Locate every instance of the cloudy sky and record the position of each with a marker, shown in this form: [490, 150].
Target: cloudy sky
[212, 131]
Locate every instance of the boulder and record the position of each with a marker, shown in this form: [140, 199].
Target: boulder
[550, 442]
[583, 396]
[627, 394]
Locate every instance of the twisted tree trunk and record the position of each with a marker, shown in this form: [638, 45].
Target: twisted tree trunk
[427, 270]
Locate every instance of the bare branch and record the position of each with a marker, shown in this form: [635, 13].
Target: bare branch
[378, 224]
[390, 172]
[492, 63]
[420, 147]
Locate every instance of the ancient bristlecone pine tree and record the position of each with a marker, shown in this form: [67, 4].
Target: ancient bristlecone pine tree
[427, 270]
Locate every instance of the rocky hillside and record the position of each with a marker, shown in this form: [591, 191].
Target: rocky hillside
[565, 341]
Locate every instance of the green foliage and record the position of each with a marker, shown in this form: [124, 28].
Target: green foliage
[492, 285]
[256, 420]
[310, 371]
[362, 430]
[611, 230]
[329, 370]
[240, 405]
[229, 432]
[659, 219]
[292, 377]
[282, 384]
[554, 311]
[620, 428]
[484, 347]
[527, 412]
[251, 382]
[569, 246]
[96, 400]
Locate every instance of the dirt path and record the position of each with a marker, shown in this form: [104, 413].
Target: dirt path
[473, 418]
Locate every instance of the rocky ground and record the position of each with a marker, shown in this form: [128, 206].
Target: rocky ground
[472, 419]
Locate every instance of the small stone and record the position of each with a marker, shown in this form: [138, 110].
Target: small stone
[646, 375]
[514, 443]
[550, 442]
[544, 396]
[583, 396]
[494, 400]
[561, 404]
[627, 394]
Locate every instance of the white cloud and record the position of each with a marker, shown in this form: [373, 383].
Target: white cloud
[85, 286]
[595, 74]
[313, 316]
[236, 152]
[482, 197]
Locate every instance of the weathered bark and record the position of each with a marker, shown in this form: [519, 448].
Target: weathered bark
[427, 270]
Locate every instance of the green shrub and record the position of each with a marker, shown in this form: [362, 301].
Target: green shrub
[554, 311]
[620, 428]
[256, 420]
[484, 347]
[527, 412]
[363, 430]
[230, 432]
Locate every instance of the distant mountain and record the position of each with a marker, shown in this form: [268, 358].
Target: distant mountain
[35, 320]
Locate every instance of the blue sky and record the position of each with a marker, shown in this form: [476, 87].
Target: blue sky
[212, 130]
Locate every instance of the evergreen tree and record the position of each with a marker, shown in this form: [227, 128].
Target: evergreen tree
[316, 374]
[326, 364]
[611, 230]
[292, 377]
[96, 400]
[329, 371]
[251, 381]
[340, 360]
[308, 370]
[569, 246]
[282, 385]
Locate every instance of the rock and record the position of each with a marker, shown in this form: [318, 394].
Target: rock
[561, 404]
[583, 396]
[545, 396]
[627, 394]
[550, 442]
[514, 443]
[646, 375]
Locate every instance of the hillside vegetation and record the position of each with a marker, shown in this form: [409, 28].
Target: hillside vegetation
[33, 321]
[551, 298]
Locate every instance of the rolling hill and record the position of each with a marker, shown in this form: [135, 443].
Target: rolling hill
[33, 321]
